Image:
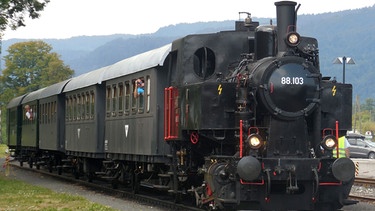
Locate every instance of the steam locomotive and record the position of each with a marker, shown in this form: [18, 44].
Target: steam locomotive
[238, 119]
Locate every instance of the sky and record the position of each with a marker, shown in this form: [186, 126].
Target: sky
[69, 18]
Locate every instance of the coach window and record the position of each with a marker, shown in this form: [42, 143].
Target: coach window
[108, 98]
[79, 109]
[87, 105]
[27, 115]
[74, 107]
[114, 100]
[41, 111]
[83, 106]
[42, 114]
[54, 107]
[30, 114]
[92, 102]
[120, 98]
[138, 95]
[48, 113]
[70, 112]
[148, 86]
[67, 107]
[52, 112]
[134, 99]
[45, 113]
[127, 98]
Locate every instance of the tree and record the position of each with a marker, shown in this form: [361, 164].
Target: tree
[30, 66]
[12, 12]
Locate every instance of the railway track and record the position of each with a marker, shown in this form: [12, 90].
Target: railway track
[363, 190]
[364, 181]
[144, 197]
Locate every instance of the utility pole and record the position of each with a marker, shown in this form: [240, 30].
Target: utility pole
[357, 109]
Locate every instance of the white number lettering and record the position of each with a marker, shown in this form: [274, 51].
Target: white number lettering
[292, 80]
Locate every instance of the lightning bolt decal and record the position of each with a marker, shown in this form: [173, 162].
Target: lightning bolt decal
[219, 89]
[333, 90]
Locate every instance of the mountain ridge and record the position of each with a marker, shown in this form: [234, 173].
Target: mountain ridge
[346, 33]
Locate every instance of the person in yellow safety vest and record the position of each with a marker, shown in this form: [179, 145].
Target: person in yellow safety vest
[343, 148]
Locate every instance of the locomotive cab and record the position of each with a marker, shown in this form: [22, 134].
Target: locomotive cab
[206, 102]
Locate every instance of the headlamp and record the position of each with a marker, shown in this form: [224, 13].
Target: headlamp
[293, 39]
[329, 142]
[255, 141]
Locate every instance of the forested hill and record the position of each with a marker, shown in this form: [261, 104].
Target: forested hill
[348, 33]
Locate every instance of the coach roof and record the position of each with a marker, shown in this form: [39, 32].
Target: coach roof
[137, 63]
[130, 65]
[15, 101]
[85, 80]
[54, 89]
[35, 95]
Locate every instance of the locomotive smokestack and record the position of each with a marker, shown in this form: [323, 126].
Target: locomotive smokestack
[286, 22]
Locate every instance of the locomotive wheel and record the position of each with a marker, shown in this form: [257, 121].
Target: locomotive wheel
[177, 197]
[324, 207]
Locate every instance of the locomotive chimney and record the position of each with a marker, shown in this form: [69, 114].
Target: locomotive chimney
[286, 22]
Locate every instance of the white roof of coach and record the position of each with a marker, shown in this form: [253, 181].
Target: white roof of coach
[54, 89]
[130, 65]
[137, 63]
[16, 101]
[85, 80]
[35, 95]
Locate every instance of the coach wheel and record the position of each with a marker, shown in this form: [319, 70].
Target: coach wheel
[50, 166]
[90, 176]
[59, 170]
[114, 184]
[30, 163]
[75, 172]
[37, 165]
[135, 183]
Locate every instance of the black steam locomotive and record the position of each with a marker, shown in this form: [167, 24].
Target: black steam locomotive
[237, 119]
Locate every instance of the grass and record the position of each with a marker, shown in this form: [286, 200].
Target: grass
[3, 147]
[18, 196]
